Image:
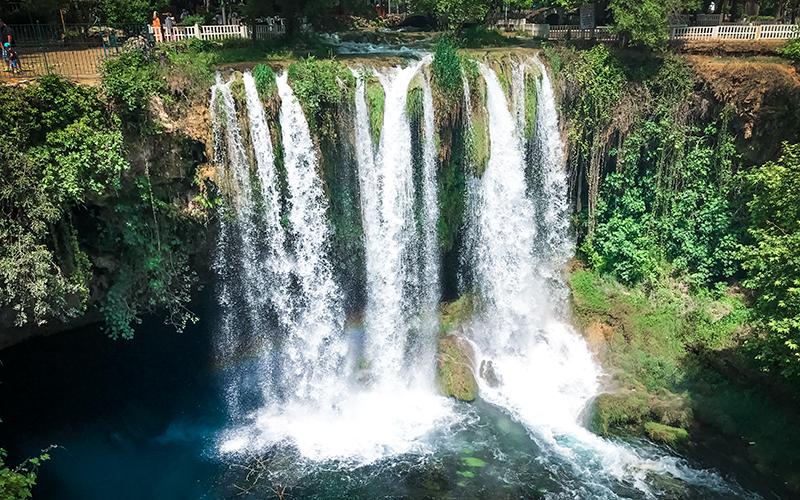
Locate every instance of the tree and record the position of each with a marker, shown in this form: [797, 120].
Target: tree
[646, 22]
[119, 12]
[16, 483]
[772, 258]
[453, 13]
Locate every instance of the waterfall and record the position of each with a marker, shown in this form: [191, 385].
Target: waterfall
[555, 245]
[544, 373]
[237, 259]
[273, 241]
[430, 292]
[314, 347]
[518, 94]
[327, 389]
[402, 267]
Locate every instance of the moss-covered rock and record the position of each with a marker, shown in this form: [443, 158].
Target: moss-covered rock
[456, 313]
[619, 413]
[376, 100]
[479, 141]
[666, 434]
[323, 87]
[455, 368]
[531, 101]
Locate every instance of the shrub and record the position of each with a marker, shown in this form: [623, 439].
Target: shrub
[771, 258]
[322, 86]
[447, 74]
[265, 81]
[791, 50]
[130, 80]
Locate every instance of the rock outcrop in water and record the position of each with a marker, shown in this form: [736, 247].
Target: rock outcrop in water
[455, 365]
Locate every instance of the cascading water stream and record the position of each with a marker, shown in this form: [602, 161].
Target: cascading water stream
[396, 269]
[544, 374]
[240, 292]
[319, 396]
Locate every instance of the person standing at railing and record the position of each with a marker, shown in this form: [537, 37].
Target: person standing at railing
[13, 58]
[6, 34]
[157, 27]
[169, 23]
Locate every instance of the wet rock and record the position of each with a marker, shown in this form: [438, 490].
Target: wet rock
[455, 368]
[666, 434]
[488, 374]
[618, 413]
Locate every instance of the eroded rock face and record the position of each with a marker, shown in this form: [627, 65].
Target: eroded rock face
[455, 366]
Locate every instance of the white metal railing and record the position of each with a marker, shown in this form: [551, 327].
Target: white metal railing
[274, 28]
[724, 32]
[737, 32]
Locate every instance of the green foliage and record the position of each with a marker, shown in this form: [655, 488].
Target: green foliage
[63, 158]
[791, 50]
[646, 22]
[414, 104]
[322, 87]
[17, 483]
[453, 13]
[599, 76]
[771, 258]
[193, 19]
[265, 81]
[130, 80]
[447, 74]
[456, 313]
[666, 434]
[452, 187]
[122, 12]
[668, 202]
[376, 98]
[63, 153]
[612, 413]
[476, 37]
[454, 369]
[676, 357]
[152, 237]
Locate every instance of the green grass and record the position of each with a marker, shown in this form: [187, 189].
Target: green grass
[678, 358]
[376, 98]
[265, 81]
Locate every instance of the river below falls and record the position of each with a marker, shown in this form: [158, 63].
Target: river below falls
[142, 419]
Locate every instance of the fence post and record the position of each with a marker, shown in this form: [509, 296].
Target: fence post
[715, 32]
[758, 33]
[243, 31]
[197, 30]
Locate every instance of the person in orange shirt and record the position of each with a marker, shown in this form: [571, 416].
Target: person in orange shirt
[157, 27]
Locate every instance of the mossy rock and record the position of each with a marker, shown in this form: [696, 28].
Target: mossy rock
[671, 409]
[376, 102]
[666, 434]
[455, 372]
[479, 139]
[456, 313]
[531, 101]
[619, 413]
